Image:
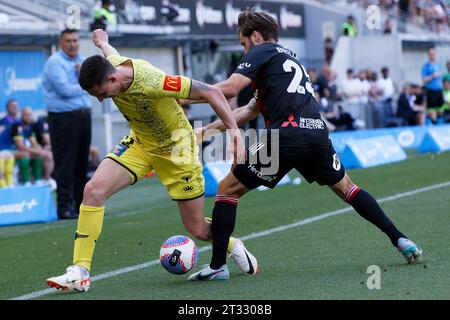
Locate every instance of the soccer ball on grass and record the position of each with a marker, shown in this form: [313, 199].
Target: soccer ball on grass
[178, 254]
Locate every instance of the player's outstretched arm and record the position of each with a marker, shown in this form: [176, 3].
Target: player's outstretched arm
[100, 40]
[233, 85]
[242, 115]
[230, 88]
[212, 94]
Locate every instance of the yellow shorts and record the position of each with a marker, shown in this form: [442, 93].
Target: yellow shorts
[184, 181]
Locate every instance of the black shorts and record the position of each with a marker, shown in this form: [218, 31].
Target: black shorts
[435, 99]
[319, 164]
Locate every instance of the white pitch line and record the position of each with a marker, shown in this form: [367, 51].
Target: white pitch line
[110, 274]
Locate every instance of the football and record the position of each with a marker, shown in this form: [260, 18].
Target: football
[178, 254]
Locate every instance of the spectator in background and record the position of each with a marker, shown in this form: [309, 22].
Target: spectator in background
[40, 128]
[375, 94]
[352, 92]
[351, 88]
[104, 16]
[349, 28]
[323, 83]
[404, 8]
[447, 75]
[375, 91]
[8, 154]
[329, 50]
[42, 133]
[388, 27]
[69, 119]
[41, 160]
[387, 88]
[440, 16]
[12, 113]
[419, 97]
[324, 110]
[432, 79]
[446, 93]
[313, 79]
[332, 84]
[408, 110]
[418, 11]
[365, 87]
[335, 120]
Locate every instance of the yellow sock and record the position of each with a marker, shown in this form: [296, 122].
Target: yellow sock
[230, 242]
[9, 171]
[2, 165]
[2, 172]
[90, 222]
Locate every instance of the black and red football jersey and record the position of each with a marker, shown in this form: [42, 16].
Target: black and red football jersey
[284, 94]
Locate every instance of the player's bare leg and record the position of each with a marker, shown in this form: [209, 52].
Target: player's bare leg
[191, 212]
[368, 208]
[109, 178]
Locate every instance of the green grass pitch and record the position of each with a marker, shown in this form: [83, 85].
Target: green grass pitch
[324, 259]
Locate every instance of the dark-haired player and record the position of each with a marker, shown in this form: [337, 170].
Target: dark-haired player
[285, 98]
[161, 138]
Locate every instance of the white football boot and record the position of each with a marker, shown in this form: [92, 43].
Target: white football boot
[75, 279]
[206, 273]
[242, 257]
[411, 251]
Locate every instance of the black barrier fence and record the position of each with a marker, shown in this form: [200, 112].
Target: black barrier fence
[205, 16]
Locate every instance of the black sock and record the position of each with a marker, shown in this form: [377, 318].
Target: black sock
[368, 208]
[222, 226]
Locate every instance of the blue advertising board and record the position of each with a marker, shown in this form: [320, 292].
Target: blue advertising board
[437, 139]
[21, 77]
[26, 205]
[371, 152]
[407, 137]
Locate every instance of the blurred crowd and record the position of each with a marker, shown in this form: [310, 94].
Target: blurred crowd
[26, 157]
[433, 15]
[371, 99]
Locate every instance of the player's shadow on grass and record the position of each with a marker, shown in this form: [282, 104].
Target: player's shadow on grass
[421, 264]
[179, 284]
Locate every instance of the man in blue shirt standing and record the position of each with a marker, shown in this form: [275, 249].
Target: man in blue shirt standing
[432, 77]
[69, 119]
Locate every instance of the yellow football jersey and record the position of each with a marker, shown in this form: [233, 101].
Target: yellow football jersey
[150, 107]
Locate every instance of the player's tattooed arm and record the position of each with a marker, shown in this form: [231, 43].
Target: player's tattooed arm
[200, 85]
[230, 87]
[214, 96]
[196, 86]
